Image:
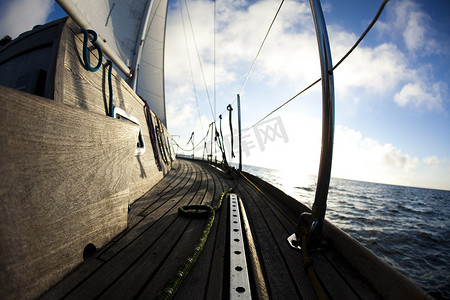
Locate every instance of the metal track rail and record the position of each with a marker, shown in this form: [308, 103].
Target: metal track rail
[239, 279]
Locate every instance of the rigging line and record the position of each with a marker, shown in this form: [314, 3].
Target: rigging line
[363, 35]
[199, 59]
[262, 44]
[190, 65]
[380, 10]
[298, 94]
[254, 61]
[215, 11]
[189, 150]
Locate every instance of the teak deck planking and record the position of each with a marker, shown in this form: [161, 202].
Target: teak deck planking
[138, 263]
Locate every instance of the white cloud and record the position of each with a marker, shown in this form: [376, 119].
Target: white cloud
[414, 33]
[287, 54]
[22, 15]
[406, 19]
[421, 96]
[366, 159]
[288, 62]
[362, 158]
[409, 27]
[378, 70]
[431, 161]
[290, 53]
[182, 113]
[302, 143]
[393, 157]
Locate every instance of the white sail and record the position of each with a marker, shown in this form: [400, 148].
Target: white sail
[131, 33]
[150, 68]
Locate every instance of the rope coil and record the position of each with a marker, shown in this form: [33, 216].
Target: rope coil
[111, 97]
[193, 211]
[87, 63]
[230, 109]
[151, 129]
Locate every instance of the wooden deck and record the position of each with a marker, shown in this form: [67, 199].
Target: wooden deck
[138, 263]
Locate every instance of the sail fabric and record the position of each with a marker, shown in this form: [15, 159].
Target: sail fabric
[119, 24]
[150, 79]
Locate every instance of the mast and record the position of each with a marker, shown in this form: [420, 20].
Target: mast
[140, 43]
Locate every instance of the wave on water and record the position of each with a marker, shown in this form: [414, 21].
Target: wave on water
[407, 227]
[308, 189]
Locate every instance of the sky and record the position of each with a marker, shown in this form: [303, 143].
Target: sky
[391, 94]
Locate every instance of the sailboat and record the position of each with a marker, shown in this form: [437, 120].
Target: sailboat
[95, 203]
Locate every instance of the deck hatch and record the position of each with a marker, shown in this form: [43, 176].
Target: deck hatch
[239, 279]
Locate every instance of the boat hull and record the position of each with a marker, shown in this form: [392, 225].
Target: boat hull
[68, 171]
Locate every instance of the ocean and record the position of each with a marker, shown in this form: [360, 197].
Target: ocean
[407, 227]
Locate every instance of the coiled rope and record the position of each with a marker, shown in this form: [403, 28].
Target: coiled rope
[111, 106]
[220, 140]
[151, 130]
[87, 63]
[230, 109]
[194, 211]
[160, 138]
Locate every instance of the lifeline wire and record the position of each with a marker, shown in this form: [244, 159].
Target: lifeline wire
[210, 125]
[340, 61]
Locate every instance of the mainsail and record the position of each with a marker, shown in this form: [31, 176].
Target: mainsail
[131, 33]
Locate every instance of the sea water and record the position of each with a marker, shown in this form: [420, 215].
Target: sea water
[407, 227]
